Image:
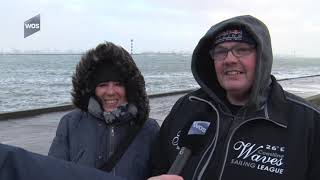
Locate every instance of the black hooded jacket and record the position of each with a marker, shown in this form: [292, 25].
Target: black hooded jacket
[84, 136]
[276, 135]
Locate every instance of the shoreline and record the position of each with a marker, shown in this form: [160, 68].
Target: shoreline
[304, 86]
[68, 107]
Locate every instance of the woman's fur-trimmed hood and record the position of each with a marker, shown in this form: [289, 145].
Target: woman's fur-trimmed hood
[108, 53]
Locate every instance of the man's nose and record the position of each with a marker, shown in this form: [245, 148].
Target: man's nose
[230, 58]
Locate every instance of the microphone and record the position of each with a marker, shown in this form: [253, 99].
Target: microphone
[193, 138]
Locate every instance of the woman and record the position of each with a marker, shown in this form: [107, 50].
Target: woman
[111, 121]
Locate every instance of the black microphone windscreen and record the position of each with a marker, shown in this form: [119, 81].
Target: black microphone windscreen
[197, 132]
[195, 135]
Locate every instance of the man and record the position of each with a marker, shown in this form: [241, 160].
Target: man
[260, 130]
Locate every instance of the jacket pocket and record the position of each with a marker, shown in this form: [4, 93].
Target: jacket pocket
[76, 158]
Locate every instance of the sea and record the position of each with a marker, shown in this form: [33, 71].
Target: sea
[42, 80]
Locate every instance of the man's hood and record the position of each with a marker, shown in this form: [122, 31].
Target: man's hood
[203, 66]
[85, 75]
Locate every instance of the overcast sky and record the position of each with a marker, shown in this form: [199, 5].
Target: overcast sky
[158, 26]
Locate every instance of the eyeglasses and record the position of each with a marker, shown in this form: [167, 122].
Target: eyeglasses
[220, 53]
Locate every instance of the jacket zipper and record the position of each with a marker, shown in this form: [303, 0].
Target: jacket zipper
[213, 142]
[231, 135]
[111, 146]
[216, 139]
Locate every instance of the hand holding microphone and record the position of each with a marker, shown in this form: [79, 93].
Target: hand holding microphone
[166, 177]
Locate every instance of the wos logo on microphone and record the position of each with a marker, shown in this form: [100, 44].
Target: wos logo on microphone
[32, 25]
[199, 128]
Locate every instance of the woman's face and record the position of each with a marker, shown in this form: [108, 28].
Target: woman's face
[111, 94]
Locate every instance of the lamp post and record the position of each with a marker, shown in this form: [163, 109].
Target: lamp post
[131, 40]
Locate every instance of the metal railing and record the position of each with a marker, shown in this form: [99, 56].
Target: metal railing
[39, 111]
[300, 77]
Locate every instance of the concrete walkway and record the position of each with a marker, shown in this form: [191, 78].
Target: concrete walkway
[36, 133]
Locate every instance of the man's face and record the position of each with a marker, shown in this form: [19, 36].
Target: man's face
[235, 69]
[111, 95]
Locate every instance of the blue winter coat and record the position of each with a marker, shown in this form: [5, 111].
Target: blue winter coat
[84, 139]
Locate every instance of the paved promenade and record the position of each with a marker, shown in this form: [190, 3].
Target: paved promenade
[36, 133]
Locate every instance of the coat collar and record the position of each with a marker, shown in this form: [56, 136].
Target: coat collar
[94, 108]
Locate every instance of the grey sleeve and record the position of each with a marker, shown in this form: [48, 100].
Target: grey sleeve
[19, 164]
